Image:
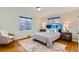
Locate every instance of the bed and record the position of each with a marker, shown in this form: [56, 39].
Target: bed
[46, 37]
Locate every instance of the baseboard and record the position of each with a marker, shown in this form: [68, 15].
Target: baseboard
[75, 41]
[22, 37]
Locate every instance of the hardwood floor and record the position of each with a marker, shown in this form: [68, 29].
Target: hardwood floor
[70, 46]
[16, 47]
[12, 47]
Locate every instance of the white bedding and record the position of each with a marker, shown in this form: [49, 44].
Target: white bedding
[46, 37]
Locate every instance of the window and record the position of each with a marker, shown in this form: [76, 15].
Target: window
[25, 23]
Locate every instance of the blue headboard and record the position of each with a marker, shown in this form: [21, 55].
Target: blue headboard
[56, 26]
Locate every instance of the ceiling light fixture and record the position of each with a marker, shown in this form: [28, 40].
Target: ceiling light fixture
[38, 8]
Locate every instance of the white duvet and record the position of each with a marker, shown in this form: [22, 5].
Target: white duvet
[46, 37]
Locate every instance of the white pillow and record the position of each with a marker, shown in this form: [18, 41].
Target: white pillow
[47, 30]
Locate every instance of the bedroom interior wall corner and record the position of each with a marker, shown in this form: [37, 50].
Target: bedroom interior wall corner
[72, 18]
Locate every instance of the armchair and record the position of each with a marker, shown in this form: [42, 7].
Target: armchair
[5, 37]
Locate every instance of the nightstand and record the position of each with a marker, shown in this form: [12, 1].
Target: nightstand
[66, 36]
[42, 30]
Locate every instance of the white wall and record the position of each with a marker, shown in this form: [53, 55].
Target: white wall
[9, 21]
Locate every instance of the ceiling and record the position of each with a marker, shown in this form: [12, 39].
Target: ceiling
[46, 11]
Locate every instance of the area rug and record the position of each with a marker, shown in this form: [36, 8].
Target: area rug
[34, 46]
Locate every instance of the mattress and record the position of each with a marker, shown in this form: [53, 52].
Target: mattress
[46, 37]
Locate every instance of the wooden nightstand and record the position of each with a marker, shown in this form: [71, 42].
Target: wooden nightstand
[66, 36]
[42, 30]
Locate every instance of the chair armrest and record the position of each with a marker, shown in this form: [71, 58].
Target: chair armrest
[10, 34]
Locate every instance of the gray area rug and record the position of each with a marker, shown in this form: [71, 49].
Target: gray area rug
[34, 46]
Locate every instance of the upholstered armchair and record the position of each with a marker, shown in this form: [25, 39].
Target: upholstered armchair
[5, 37]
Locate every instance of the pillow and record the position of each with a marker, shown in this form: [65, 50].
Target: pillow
[47, 30]
[55, 30]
